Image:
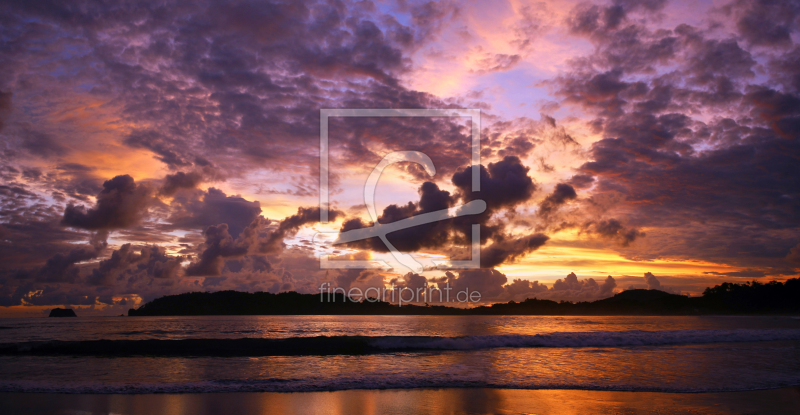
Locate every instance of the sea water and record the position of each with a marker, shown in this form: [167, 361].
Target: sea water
[670, 354]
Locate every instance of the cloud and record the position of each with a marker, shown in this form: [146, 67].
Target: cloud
[493, 286]
[257, 237]
[561, 194]
[613, 229]
[411, 281]
[430, 235]
[685, 177]
[764, 22]
[794, 254]
[60, 268]
[507, 249]
[218, 245]
[290, 225]
[192, 208]
[581, 181]
[5, 107]
[121, 204]
[151, 261]
[185, 180]
[487, 281]
[497, 62]
[692, 124]
[582, 290]
[651, 281]
[504, 185]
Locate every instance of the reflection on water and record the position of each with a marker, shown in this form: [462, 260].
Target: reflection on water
[410, 402]
[215, 327]
[685, 368]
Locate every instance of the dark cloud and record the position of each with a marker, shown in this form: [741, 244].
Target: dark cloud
[561, 194]
[151, 261]
[710, 59]
[587, 18]
[794, 254]
[121, 203]
[507, 249]
[15, 192]
[76, 180]
[167, 150]
[5, 107]
[410, 281]
[185, 180]
[42, 144]
[613, 229]
[362, 279]
[31, 237]
[581, 181]
[61, 267]
[504, 185]
[783, 69]
[199, 209]
[663, 167]
[765, 22]
[430, 235]
[780, 111]
[290, 225]
[218, 245]
[259, 236]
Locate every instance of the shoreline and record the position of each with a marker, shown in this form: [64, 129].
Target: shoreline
[410, 401]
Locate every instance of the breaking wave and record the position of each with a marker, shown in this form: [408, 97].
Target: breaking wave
[364, 382]
[336, 345]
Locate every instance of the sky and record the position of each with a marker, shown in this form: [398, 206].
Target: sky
[159, 148]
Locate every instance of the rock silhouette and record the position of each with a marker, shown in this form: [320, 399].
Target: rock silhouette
[62, 312]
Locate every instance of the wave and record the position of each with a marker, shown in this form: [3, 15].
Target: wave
[151, 332]
[366, 383]
[354, 345]
[178, 332]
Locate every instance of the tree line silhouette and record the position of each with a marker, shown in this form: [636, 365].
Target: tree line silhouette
[727, 298]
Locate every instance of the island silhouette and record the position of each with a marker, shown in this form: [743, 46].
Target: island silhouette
[62, 312]
[727, 298]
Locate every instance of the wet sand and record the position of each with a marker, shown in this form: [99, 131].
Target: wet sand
[415, 401]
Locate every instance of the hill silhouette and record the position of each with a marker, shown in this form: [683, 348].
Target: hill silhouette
[727, 298]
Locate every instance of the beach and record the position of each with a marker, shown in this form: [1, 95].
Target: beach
[415, 401]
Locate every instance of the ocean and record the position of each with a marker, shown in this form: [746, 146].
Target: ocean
[613, 353]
